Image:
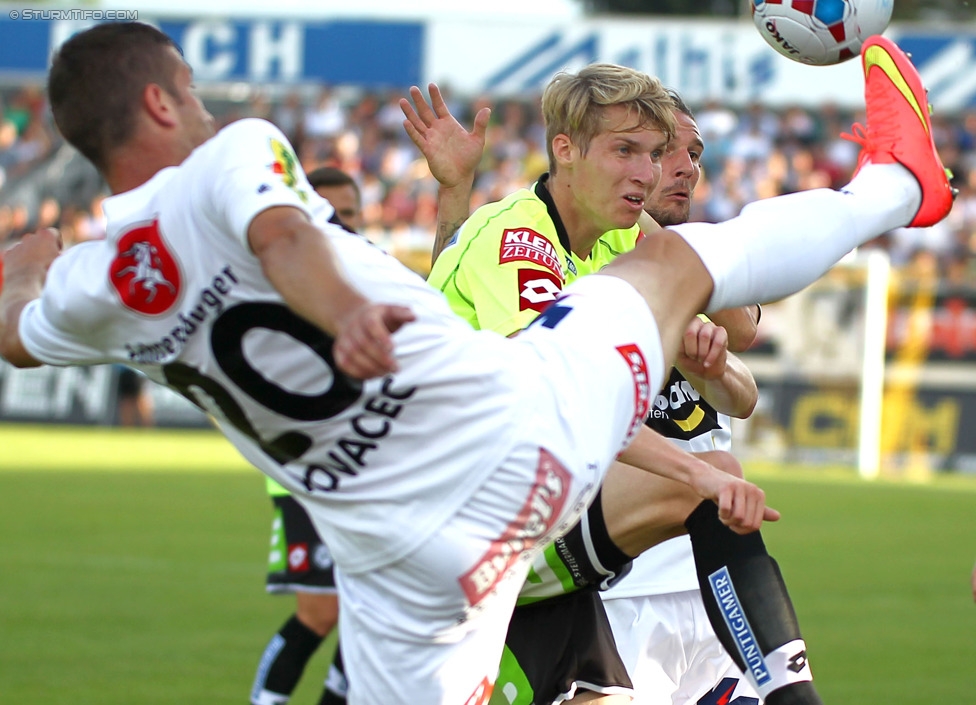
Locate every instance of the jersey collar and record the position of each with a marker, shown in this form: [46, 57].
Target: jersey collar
[542, 191]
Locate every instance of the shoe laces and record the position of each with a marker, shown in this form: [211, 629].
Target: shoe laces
[860, 136]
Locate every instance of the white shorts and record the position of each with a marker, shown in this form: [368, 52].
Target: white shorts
[429, 629]
[672, 653]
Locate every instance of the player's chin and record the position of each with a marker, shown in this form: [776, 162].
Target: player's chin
[677, 212]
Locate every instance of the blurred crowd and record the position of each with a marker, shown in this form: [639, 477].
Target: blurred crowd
[750, 154]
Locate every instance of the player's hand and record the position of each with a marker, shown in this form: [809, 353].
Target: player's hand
[741, 504]
[364, 345]
[704, 350]
[452, 152]
[32, 256]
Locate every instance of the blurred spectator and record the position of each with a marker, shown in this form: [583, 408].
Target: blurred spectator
[135, 403]
[753, 153]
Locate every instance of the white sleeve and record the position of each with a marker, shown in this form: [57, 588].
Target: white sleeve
[63, 326]
[255, 168]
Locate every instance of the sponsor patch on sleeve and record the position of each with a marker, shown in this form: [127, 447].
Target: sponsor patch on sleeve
[526, 245]
[145, 273]
[537, 289]
[286, 166]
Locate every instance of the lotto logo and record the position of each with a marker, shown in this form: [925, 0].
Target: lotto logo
[298, 557]
[537, 289]
[798, 662]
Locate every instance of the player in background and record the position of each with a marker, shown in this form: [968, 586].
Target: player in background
[435, 460]
[299, 562]
[656, 610]
[342, 191]
[483, 292]
[499, 235]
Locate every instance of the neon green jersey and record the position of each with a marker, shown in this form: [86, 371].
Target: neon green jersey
[512, 258]
[274, 489]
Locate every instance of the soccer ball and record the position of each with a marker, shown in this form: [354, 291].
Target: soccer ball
[820, 32]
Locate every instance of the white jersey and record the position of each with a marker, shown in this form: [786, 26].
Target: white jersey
[670, 566]
[175, 291]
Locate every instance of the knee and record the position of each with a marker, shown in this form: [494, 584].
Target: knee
[320, 613]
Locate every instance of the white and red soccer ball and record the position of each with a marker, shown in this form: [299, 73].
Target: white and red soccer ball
[820, 32]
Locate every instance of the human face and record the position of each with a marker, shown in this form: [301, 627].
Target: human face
[611, 182]
[345, 200]
[197, 125]
[670, 202]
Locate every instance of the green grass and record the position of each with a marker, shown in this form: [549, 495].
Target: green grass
[132, 571]
[132, 584]
[880, 575]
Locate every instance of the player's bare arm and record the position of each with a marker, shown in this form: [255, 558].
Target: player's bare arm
[298, 261]
[741, 324]
[25, 267]
[720, 377]
[452, 153]
[742, 505]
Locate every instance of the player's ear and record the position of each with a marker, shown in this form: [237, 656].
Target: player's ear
[159, 104]
[563, 149]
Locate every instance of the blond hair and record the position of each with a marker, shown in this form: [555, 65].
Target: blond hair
[573, 103]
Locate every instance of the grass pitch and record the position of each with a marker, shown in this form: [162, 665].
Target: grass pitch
[132, 571]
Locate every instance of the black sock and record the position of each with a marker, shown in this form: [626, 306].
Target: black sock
[607, 552]
[750, 609]
[336, 685]
[284, 660]
[592, 559]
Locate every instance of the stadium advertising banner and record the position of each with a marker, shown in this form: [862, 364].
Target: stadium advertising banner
[364, 53]
[818, 422]
[705, 60]
[82, 396]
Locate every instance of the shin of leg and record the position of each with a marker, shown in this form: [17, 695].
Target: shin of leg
[642, 509]
[283, 662]
[750, 608]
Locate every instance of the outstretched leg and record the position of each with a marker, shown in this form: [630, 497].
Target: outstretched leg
[780, 245]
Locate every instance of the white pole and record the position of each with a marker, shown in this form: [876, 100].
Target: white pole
[873, 363]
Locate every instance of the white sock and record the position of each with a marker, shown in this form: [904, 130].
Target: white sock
[785, 666]
[778, 246]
